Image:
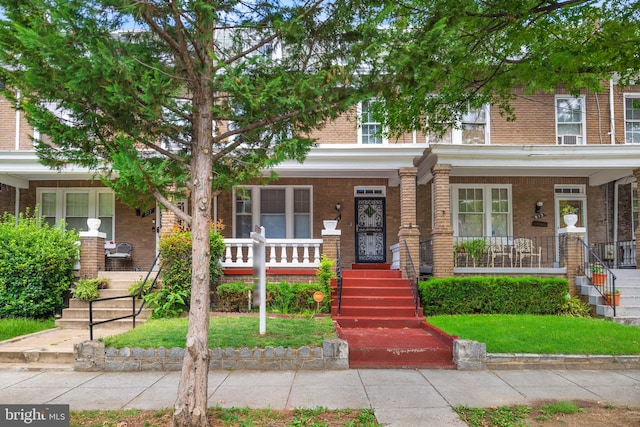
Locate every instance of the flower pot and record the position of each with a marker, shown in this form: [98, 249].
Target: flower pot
[609, 298]
[94, 224]
[598, 279]
[330, 224]
[570, 220]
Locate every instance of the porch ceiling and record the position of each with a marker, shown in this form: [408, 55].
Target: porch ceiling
[599, 163]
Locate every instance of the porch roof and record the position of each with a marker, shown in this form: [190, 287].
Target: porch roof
[600, 163]
[18, 167]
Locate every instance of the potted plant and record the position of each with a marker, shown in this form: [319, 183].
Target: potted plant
[475, 249]
[610, 298]
[569, 214]
[598, 275]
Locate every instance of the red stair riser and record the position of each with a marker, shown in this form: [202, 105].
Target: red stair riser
[371, 273]
[374, 282]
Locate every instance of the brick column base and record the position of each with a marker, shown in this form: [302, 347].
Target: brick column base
[331, 245]
[572, 252]
[91, 254]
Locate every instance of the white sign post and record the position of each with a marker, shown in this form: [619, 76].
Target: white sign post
[260, 276]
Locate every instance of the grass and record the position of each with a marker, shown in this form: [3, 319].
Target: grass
[229, 331]
[15, 327]
[543, 334]
[315, 417]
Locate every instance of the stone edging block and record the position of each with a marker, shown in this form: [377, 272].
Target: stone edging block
[93, 356]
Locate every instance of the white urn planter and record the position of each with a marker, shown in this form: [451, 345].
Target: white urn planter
[94, 224]
[330, 224]
[570, 220]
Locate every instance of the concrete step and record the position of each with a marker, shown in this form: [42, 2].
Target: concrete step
[101, 313]
[84, 324]
[117, 303]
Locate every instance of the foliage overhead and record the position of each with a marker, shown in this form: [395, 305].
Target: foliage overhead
[446, 56]
[116, 85]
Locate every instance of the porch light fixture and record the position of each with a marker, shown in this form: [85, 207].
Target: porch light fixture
[538, 207]
[338, 207]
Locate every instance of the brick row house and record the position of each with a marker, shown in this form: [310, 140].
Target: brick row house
[487, 179]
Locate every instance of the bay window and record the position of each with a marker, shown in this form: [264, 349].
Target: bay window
[284, 211]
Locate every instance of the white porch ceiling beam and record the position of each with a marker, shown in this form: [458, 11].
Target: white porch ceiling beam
[14, 181]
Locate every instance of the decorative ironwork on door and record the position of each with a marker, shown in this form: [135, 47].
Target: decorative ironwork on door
[370, 230]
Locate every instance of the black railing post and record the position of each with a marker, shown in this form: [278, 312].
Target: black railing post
[338, 277]
[91, 320]
[412, 276]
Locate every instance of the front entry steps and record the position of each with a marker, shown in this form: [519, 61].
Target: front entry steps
[628, 283]
[76, 316]
[378, 319]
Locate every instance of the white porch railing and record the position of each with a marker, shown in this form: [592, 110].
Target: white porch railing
[279, 253]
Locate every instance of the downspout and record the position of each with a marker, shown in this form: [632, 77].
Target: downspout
[17, 204]
[612, 125]
[17, 138]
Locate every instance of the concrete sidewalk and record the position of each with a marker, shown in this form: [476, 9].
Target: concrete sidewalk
[400, 397]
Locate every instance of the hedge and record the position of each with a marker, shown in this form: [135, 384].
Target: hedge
[36, 266]
[494, 295]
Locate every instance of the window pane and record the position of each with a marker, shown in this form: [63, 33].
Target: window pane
[499, 200]
[302, 226]
[371, 130]
[274, 226]
[473, 134]
[272, 201]
[76, 223]
[632, 108]
[106, 226]
[243, 226]
[301, 200]
[77, 204]
[569, 110]
[48, 206]
[105, 204]
[470, 225]
[499, 224]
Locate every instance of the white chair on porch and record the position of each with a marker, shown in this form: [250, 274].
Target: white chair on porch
[524, 248]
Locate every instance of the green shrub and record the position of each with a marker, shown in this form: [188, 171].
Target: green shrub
[325, 272]
[135, 287]
[494, 295]
[233, 297]
[86, 289]
[281, 297]
[36, 266]
[174, 296]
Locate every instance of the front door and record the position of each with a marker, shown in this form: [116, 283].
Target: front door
[370, 230]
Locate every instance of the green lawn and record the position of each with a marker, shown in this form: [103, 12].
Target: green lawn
[543, 334]
[11, 328]
[229, 331]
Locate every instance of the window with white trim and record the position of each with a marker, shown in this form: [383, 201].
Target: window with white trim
[284, 211]
[632, 118]
[472, 129]
[570, 120]
[481, 210]
[76, 205]
[370, 131]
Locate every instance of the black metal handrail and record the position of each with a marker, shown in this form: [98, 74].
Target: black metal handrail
[600, 276]
[412, 276]
[138, 295]
[338, 277]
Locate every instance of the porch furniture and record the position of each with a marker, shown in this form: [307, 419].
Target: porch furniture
[524, 248]
[121, 255]
[502, 250]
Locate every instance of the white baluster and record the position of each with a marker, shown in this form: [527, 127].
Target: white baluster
[283, 254]
[272, 253]
[294, 254]
[305, 255]
[239, 256]
[227, 253]
[250, 254]
[316, 256]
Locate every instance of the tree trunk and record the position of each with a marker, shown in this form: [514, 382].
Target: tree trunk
[190, 408]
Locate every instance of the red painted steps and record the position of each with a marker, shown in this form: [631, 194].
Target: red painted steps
[378, 319]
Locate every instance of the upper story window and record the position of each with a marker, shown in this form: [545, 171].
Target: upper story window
[472, 129]
[370, 130]
[570, 120]
[632, 119]
[76, 205]
[284, 211]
